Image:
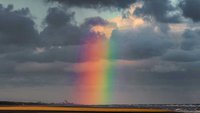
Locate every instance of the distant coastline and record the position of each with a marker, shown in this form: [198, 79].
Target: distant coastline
[72, 106]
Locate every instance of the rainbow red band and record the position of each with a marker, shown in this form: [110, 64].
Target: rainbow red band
[95, 82]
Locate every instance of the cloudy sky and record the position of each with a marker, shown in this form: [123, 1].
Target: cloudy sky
[155, 49]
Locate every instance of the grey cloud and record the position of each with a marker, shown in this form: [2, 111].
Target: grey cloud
[160, 10]
[191, 39]
[36, 74]
[140, 44]
[58, 17]
[164, 28]
[182, 55]
[34, 94]
[35, 67]
[64, 35]
[61, 30]
[38, 79]
[96, 4]
[16, 27]
[50, 54]
[92, 21]
[191, 9]
[7, 67]
[59, 41]
[87, 34]
[95, 21]
[158, 85]
[166, 67]
[21, 49]
[11, 48]
[189, 50]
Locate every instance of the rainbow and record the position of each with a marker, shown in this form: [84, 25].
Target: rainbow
[96, 82]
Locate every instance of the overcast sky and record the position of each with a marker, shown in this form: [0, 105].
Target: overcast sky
[155, 49]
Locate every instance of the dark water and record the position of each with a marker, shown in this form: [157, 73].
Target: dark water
[186, 108]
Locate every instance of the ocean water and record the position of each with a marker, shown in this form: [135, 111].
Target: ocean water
[185, 108]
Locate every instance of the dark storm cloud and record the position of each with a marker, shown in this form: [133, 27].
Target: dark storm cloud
[31, 79]
[182, 55]
[191, 39]
[164, 28]
[16, 27]
[50, 54]
[95, 21]
[59, 36]
[140, 44]
[6, 67]
[62, 30]
[158, 9]
[96, 4]
[163, 79]
[21, 48]
[87, 34]
[61, 40]
[158, 86]
[189, 48]
[58, 17]
[186, 83]
[30, 73]
[91, 22]
[191, 9]
[59, 29]
[10, 48]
